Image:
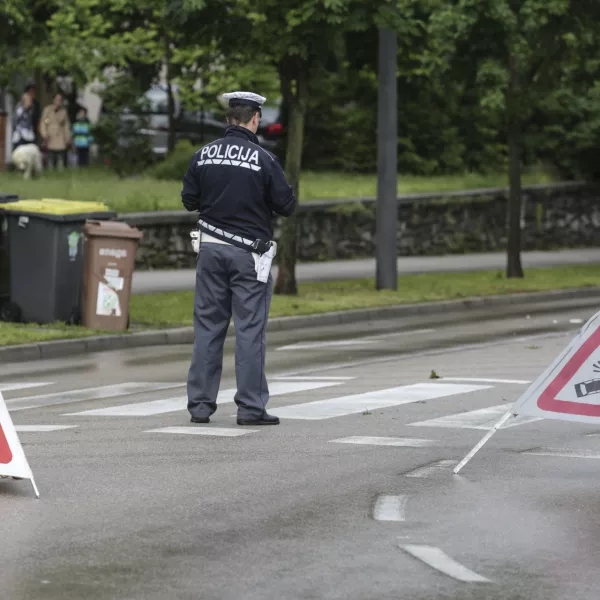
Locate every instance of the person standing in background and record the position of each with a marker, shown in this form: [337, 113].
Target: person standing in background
[26, 155]
[23, 128]
[82, 137]
[55, 129]
[31, 91]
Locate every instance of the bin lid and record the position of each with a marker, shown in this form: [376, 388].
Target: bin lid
[56, 209]
[113, 229]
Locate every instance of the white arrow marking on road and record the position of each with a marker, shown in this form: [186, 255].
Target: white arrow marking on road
[96, 393]
[483, 418]
[427, 470]
[384, 441]
[159, 407]
[357, 403]
[371, 339]
[213, 431]
[390, 508]
[10, 387]
[42, 428]
[440, 561]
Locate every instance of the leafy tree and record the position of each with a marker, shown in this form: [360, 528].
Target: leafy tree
[514, 52]
[298, 38]
[301, 38]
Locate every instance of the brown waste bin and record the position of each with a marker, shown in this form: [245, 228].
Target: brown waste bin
[109, 263]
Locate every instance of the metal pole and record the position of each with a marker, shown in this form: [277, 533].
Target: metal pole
[486, 437]
[387, 164]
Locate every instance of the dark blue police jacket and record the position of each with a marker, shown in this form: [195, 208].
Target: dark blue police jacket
[237, 186]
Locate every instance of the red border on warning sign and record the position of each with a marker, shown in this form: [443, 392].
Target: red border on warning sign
[547, 400]
[6, 454]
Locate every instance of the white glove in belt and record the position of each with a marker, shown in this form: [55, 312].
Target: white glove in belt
[262, 264]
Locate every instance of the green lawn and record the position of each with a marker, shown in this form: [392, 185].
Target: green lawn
[176, 308]
[12, 333]
[140, 194]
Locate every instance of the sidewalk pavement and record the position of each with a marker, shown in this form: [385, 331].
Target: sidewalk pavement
[149, 282]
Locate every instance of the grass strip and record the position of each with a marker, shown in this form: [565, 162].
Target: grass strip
[175, 308]
[145, 194]
[19, 333]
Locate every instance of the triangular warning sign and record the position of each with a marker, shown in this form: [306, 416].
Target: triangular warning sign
[569, 388]
[12, 458]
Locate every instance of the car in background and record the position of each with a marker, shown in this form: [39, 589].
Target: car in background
[200, 127]
[204, 126]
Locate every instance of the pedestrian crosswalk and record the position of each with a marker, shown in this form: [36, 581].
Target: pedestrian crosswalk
[484, 418]
[158, 407]
[357, 403]
[129, 399]
[208, 431]
[95, 393]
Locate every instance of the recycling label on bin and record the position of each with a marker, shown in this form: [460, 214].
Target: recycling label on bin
[73, 240]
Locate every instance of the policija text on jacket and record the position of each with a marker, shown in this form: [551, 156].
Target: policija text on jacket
[242, 195]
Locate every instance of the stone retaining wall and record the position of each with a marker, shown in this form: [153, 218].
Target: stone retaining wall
[557, 216]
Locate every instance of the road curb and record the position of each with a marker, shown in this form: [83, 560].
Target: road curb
[535, 302]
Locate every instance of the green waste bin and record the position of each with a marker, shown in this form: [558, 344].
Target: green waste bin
[45, 247]
[4, 270]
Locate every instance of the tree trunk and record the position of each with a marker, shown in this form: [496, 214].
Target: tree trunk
[513, 264]
[44, 93]
[170, 99]
[296, 99]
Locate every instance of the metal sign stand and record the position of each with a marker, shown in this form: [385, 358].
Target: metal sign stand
[480, 445]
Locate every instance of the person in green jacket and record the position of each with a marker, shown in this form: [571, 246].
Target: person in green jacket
[82, 137]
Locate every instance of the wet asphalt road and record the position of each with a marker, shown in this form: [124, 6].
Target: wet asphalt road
[301, 510]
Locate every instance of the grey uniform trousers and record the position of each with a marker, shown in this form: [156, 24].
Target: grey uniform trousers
[226, 283]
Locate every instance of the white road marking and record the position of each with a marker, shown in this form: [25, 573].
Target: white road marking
[481, 380]
[562, 452]
[330, 344]
[159, 407]
[575, 321]
[390, 508]
[384, 441]
[370, 339]
[213, 431]
[307, 378]
[11, 387]
[427, 470]
[440, 561]
[42, 428]
[96, 393]
[483, 418]
[357, 403]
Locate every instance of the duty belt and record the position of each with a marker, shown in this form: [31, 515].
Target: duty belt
[257, 246]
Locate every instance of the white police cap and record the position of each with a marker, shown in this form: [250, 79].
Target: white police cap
[247, 98]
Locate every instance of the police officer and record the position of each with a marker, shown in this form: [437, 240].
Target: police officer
[236, 186]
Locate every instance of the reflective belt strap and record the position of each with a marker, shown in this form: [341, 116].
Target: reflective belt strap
[224, 234]
[209, 239]
[258, 246]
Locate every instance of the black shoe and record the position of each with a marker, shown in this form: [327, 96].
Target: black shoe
[265, 419]
[200, 420]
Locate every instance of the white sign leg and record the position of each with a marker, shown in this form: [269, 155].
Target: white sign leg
[487, 436]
